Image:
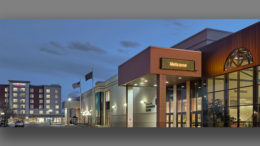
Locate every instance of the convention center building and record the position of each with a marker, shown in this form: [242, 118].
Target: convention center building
[211, 79]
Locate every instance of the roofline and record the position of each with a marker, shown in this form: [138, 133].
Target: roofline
[19, 81]
[203, 30]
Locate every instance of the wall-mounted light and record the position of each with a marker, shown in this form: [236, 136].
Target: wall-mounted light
[145, 81]
[125, 104]
[166, 82]
[113, 107]
[179, 78]
[135, 84]
[141, 83]
[155, 85]
[69, 99]
[142, 102]
[2, 113]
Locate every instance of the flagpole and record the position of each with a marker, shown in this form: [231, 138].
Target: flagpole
[80, 100]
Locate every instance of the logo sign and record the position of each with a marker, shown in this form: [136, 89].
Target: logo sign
[177, 64]
[19, 84]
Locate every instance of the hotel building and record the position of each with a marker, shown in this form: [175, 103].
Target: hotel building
[31, 103]
[211, 79]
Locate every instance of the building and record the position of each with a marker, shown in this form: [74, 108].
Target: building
[72, 111]
[211, 79]
[33, 104]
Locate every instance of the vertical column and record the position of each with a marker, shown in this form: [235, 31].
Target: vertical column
[161, 100]
[175, 105]
[129, 106]
[188, 103]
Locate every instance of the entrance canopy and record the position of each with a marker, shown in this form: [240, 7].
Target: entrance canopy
[177, 64]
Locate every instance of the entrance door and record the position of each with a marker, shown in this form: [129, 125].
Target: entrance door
[181, 105]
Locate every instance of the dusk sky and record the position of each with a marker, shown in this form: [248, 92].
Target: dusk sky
[63, 51]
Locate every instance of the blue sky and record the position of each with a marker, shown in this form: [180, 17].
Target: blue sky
[63, 51]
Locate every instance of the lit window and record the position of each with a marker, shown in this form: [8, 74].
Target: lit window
[31, 90]
[6, 95]
[15, 89]
[48, 96]
[40, 96]
[15, 111]
[57, 106]
[22, 112]
[22, 106]
[40, 101]
[31, 106]
[47, 106]
[15, 106]
[48, 90]
[22, 95]
[31, 101]
[14, 94]
[47, 101]
[31, 112]
[41, 112]
[238, 57]
[56, 101]
[22, 89]
[15, 100]
[22, 101]
[6, 89]
[40, 106]
[32, 95]
[57, 112]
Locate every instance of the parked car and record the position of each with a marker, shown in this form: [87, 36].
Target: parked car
[19, 123]
[3, 123]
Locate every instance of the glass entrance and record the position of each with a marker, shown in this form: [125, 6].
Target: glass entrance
[181, 105]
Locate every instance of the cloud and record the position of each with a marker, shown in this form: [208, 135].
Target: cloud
[123, 51]
[85, 47]
[129, 44]
[54, 48]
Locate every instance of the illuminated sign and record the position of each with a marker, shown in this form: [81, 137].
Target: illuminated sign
[19, 84]
[177, 64]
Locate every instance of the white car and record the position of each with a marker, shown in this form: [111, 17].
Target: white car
[19, 123]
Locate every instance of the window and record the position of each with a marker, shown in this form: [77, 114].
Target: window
[31, 101]
[40, 106]
[238, 57]
[22, 112]
[56, 91]
[15, 111]
[22, 106]
[48, 96]
[22, 95]
[15, 89]
[56, 101]
[56, 96]
[31, 106]
[40, 96]
[15, 100]
[31, 95]
[47, 101]
[6, 89]
[48, 90]
[15, 106]
[22, 100]
[47, 106]
[22, 89]
[31, 90]
[57, 106]
[40, 90]
[31, 111]
[40, 101]
[14, 94]
[41, 112]
[57, 112]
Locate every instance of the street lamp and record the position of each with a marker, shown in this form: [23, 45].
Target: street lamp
[69, 99]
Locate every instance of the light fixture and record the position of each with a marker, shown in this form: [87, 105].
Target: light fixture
[2, 113]
[69, 99]
[155, 85]
[142, 102]
[179, 78]
[199, 87]
[182, 86]
[166, 82]
[135, 84]
[141, 83]
[145, 81]
[125, 104]
[113, 106]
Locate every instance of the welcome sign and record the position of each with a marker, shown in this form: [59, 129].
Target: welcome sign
[177, 64]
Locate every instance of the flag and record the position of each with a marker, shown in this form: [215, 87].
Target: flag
[89, 76]
[76, 85]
